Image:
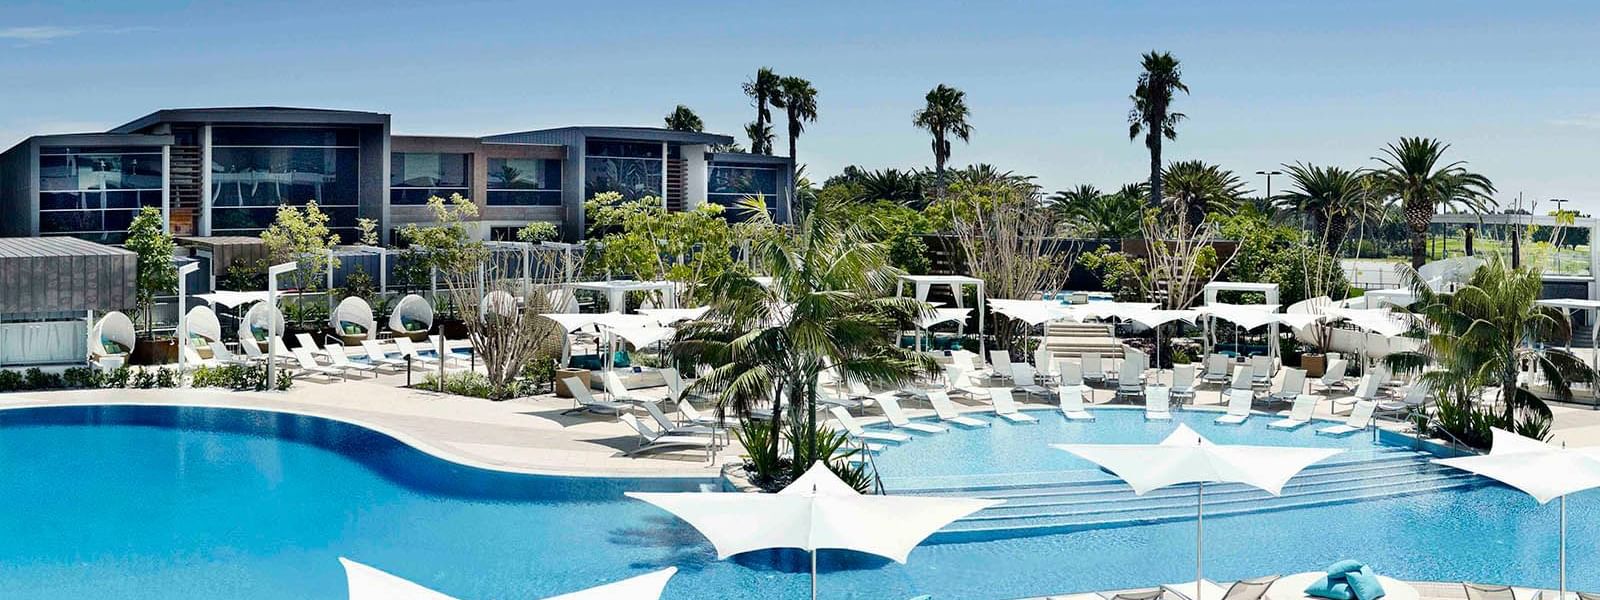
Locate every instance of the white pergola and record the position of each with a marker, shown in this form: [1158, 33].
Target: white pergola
[616, 291]
[921, 284]
[1268, 289]
[1567, 305]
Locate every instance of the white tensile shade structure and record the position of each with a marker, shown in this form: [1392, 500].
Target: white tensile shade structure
[1033, 313]
[617, 291]
[816, 512]
[353, 318]
[1541, 470]
[1154, 319]
[1186, 457]
[232, 299]
[412, 316]
[369, 583]
[940, 315]
[668, 316]
[112, 336]
[922, 284]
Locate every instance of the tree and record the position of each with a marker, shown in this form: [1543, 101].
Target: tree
[641, 239]
[944, 115]
[684, 119]
[1330, 198]
[1086, 211]
[1151, 114]
[798, 99]
[828, 304]
[154, 273]
[900, 187]
[762, 90]
[1412, 171]
[301, 235]
[1004, 240]
[1198, 190]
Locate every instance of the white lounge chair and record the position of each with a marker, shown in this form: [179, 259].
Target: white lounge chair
[220, 353]
[1333, 378]
[1072, 404]
[1216, 369]
[338, 359]
[1093, 371]
[1299, 415]
[651, 440]
[689, 414]
[854, 428]
[1157, 404]
[1366, 391]
[284, 353]
[1022, 381]
[1000, 364]
[1130, 377]
[1182, 382]
[192, 358]
[958, 381]
[377, 355]
[410, 350]
[667, 426]
[1044, 363]
[1292, 386]
[1261, 371]
[618, 391]
[1007, 407]
[308, 363]
[257, 352]
[449, 354]
[1415, 397]
[1360, 418]
[897, 417]
[946, 409]
[1243, 376]
[584, 400]
[1238, 408]
[309, 343]
[1071, 373]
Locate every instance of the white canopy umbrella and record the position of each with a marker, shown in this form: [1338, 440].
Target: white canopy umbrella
[1031, 312]
[231, 299]
[643, 336]
[1110, 310]
[1541, 470]
[816, 512]
[1154, 319]
[940, 315]
[1186, 457]
[369, 583]
[668, 316]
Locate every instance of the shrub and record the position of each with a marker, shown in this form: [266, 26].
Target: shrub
[117, 378]
[10, 381]
[144, 379]
[476, 385]
[239, 377]
[81, 377]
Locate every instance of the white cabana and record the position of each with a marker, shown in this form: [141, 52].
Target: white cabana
[922, 284]
[616, 291]
[412, 317]
[1187, 457]
[232, 299]
[201, 326]
[1541, 470]
[1269, 290]
[112, 337]
[369, 583]
[816, 512]
[940, 316]
[669, 316]
[498, 302]
[353, 321]
[260, 321]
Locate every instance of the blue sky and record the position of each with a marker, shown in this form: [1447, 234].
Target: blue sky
[1511, 85]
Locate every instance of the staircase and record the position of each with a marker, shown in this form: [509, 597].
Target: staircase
[677, 171]
[186, 195]
[1055, 502]
[1072, 340]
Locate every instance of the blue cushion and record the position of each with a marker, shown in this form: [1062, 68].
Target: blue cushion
[1342, 567]
[1323, 587]
[1364, 584]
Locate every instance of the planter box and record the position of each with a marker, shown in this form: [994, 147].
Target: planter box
[1314, 364]
[154, 352]
[561, 383]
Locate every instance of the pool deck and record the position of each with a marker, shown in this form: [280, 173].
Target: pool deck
[1426, 590]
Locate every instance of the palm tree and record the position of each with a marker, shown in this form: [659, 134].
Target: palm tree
[986, 174]
[799, 103]
[1331, 198]
[829, 302]
[1152, 99]
[894, 185]
[762, 90]
[944, 115]
[1200, 189]
[1092, 213]
[684, 119]
[1414, 174]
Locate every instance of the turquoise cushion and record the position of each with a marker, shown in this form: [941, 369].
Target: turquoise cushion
[621, 360]
[1364, 584]
[1323, 587]
[349, 328]
[413, 324]
[1342, 567]
[112, 347]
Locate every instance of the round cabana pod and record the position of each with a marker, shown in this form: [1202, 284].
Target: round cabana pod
[111, 340]
[499, 303]
[202, 328]
[259, 323]
[353, 322]
[412, 317]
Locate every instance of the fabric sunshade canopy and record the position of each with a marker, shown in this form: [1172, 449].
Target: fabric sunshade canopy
[369, 583]
[944, 315]
[232, 299]
[1032, 312]
[1246, 316]
[668, 316]
[1376, 320]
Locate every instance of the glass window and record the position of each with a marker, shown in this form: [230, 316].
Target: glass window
[256, 169]
[524, 182]
[284, 136]
[416, 176]
[729, 185]
[94, 192]
[623, 149]
[631, 177]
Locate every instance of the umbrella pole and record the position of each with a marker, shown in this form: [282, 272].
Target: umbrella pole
[1563, 548]
[813, 574]
[1199, 535]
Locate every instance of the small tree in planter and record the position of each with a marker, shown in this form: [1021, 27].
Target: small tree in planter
[301, 235]
[155, 275]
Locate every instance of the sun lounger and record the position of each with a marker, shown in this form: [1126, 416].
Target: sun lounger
[689, 414]
[618, 391]
[1216, 369]
[308, 363]
[1482, 591]
[1261, 371]
[410, 350]
[1294, 384]
[1182, 382]
[192, 358]
[586, 402]
[1072, 404]
[666, 425]
[1000, 364]
[377, 355]
[854, 428]
[897, 417]
[958, 381]
[1006, 407]
[220, 353]
[1093, 371]
[1071, 373]
[308, 342]
[450, 356]
[1238, 408]
[1333, 378]
[1022, 381]
[339, 360]
[1157, 404]
[1044, 363]
[651, 440]
[1366, 391]
[1244, 589]
[1415, 397]
[1150, 594]
[946, 409]
[1304, 406]
[1130, 377]
[1360, 418]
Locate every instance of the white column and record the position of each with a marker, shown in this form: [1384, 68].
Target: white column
[203, 220]
[166, 201]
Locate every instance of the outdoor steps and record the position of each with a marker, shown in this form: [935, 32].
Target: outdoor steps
[1039, 503]
[1079, 330]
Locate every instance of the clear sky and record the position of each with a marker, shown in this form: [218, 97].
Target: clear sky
[1512, 85]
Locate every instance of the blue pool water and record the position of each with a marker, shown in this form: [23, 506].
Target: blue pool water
[156, 502]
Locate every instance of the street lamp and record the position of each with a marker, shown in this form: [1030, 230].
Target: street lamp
[272, 300]
[183, 311]
[1269, 175]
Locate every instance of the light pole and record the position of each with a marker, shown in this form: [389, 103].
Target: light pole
[183, 311]
[272, 321]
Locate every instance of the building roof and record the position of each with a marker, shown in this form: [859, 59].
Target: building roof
[649, 134]
[55, 247]
[253, 114]
[94, 139]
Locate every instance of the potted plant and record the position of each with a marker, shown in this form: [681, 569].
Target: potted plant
[154, 276]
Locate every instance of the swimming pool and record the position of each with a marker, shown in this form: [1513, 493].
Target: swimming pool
[143, 502]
